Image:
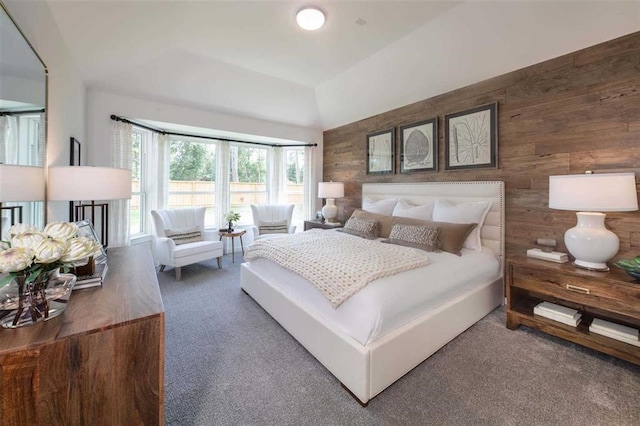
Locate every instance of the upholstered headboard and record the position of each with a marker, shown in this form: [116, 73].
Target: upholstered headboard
[491, 233]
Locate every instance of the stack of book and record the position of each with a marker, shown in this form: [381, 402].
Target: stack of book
[93, 280]
[615, 331]
[558, 313]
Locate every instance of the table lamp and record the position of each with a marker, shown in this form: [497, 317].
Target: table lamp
[590, 242]
[19, 184]
[330, 191]
[79, 183]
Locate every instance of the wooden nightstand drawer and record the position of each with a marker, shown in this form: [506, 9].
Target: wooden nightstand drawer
[617, 297]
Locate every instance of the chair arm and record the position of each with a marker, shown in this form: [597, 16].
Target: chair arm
[163, 250]
[254, 229]
[292, 229]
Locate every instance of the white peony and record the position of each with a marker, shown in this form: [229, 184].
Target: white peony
[28, 240]
[15, 259]
[19, 228]
[79, 248]
[50, 250]
[61, 230]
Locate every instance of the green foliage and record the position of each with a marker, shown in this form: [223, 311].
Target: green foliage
[232, 216]
[192, 161]
[251, 164]
[629, 265]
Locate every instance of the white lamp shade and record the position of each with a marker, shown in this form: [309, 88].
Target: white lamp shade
[77, 183]
[330, 190]
[21, 183]
[607, 192]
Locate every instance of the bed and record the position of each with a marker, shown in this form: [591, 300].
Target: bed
[367, 358]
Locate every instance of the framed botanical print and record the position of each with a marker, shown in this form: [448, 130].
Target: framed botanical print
[471, 139]
[380, 148]
[419, 146]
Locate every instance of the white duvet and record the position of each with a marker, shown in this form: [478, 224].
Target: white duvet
[389, 302]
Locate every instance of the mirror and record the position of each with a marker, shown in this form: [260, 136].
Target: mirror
[23, 100]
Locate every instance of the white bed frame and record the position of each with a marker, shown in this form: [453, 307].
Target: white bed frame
[367, 370]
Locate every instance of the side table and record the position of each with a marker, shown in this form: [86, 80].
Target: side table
[232, 235]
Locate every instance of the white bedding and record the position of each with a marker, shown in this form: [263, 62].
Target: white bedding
[389, 302]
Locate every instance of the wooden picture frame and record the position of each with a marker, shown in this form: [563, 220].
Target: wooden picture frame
[85, 229]
[471, 138]
[380, 152]
[419, 146]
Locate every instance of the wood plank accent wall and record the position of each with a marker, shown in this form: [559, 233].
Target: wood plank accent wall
[574, 113]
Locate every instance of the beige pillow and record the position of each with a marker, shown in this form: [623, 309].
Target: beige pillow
[384, 221]
[275, 227]
[421, 237]
[361, 227]
[184, 235]
[451, 235]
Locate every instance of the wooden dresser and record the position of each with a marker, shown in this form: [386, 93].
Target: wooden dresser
[612, 296]
[101, 362]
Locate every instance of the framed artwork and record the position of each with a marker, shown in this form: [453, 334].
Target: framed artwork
[85, 229]
[380, 147]
[75, 152]
[419, 146]
[471, 139]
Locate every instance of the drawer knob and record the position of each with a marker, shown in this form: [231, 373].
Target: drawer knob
[577, 289]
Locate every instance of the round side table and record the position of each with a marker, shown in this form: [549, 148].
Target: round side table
[232, 235]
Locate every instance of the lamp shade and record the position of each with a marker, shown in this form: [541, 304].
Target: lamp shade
[330, 190]
[606, 192]
[21, 183]
[73, 183]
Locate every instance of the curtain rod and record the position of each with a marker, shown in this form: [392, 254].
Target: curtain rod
[166, 132]
[32, 111]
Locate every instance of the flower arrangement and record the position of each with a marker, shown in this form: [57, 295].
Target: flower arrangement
[232, 216]
[27, 252]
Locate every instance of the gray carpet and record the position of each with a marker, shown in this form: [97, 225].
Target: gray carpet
[229, 363]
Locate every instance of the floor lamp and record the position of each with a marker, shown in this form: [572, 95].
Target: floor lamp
[19, 184]
[81, 183]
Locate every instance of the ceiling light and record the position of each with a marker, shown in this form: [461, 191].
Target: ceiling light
[310, 18]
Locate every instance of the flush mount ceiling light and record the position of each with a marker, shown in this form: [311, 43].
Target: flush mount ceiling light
[310, 18]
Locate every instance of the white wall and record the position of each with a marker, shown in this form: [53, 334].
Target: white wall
[471, 42]
[66, 95]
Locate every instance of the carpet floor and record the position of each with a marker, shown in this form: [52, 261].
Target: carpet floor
[229, 363]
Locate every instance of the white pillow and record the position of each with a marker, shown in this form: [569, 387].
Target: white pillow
[384, 207]
[471, 212]
[422, 212]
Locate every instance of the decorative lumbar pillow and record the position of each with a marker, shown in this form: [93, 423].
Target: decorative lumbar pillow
[184, 235]
[384, 207]
[275, 227]
[422, 212]
[421, 237]
[361, 227]
[451, 236]
[471, 212]
[384, 221]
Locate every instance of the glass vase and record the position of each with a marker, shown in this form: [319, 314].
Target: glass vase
[24, 303]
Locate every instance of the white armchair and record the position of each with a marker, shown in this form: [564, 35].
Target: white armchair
[274, 216]
[189, 243]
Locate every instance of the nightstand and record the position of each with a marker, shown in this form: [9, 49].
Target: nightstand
[308, 224]
[612, 296]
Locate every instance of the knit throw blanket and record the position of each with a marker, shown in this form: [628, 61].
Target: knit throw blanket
[337, 264]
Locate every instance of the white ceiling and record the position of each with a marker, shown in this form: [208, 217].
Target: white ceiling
[250, 59]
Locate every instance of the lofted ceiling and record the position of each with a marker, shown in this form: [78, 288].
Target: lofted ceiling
[250, 59]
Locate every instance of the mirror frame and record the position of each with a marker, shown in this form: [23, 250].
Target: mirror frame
[3, 7]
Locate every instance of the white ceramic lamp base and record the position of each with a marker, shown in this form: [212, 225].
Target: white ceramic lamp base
[590, 242]
[330, 211]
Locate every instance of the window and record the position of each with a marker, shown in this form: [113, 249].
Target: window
[141, 139]
[192, 176]
[294, 184]
[248, 180]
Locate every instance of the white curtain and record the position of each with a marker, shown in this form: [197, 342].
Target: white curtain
[157, 181]
[310, 184]
[9, 139]
[276, 173]
[42, 132]
[222, 197]
[121, 157]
